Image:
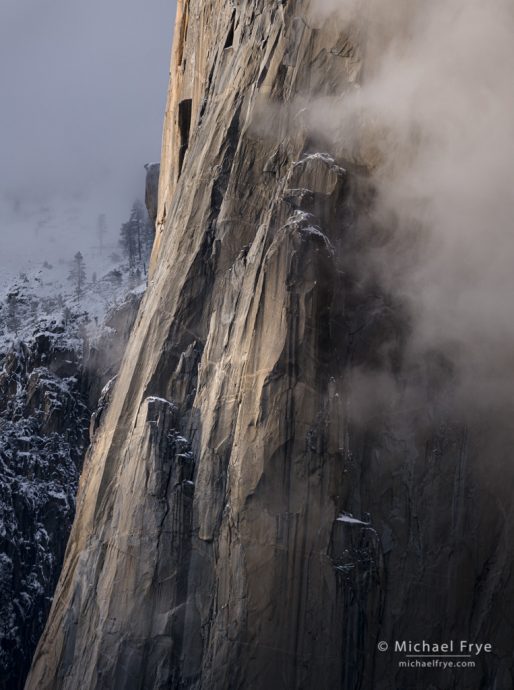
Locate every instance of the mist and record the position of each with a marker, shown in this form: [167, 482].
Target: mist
[432, 121]
[83, 95]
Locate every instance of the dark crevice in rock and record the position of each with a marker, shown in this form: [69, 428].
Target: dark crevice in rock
[230, 36]
[184, 125]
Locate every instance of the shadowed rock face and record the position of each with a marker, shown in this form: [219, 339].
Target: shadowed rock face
[236, 527]
[152, 189]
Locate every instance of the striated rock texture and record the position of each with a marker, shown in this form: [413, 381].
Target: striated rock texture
[236, 527]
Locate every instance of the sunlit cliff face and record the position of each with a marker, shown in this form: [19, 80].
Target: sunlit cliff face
[431, 117]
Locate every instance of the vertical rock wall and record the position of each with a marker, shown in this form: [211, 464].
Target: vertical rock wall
[234, 530]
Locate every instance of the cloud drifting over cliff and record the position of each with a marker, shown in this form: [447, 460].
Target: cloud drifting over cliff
[433, 119]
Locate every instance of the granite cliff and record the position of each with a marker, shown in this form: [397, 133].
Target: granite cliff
[249, 515]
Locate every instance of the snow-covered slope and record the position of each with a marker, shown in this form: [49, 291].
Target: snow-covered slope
[43, 424]
[56, 352]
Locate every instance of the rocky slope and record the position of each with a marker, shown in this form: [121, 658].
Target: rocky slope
[55, 358]
[248, 516]
[43, 434]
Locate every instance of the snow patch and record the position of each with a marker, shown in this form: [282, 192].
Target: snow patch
[350, 520]
[155, 398]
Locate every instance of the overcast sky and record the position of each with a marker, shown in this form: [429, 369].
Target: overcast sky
[83, 89]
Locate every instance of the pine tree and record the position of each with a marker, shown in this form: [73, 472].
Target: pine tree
[77, 274]
[13, 318]
[132, 279]
[101, 230]
[115, 277]
[66, 315]
[128, 242]
[137, 236]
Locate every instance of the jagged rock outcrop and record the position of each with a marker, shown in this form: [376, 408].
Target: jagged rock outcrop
[237, 526]
[152, 189]
[103, 355]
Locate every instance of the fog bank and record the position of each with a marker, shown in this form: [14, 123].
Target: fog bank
[432, 118]
[83, 95]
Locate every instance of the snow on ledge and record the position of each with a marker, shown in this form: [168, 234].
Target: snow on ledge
[155, 398]
[350, 520]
